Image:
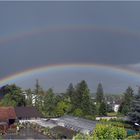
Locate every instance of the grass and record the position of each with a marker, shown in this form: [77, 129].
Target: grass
[112, 114]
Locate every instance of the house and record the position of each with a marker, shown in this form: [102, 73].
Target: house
[27, 113]
[7, 114]
[116, 107]
[7, 118]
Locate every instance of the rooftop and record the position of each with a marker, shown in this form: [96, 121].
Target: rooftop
[27, 112]
[77, 124]
[7, 113]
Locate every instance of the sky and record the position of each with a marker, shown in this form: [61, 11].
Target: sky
[36, 34]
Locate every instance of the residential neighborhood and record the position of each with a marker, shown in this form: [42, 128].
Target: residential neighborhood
[69, 70]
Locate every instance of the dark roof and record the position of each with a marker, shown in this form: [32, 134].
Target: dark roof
[27, 112]
[64, 131]
[7, 113]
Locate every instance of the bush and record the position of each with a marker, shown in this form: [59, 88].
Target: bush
[82, 137]
[106, 131]
[90, 117]
[134, 137]
[78, 112]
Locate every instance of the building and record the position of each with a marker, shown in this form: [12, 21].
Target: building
[7, 114]
[76, 124]
[27, 113]
[7, 118]
[116, 107]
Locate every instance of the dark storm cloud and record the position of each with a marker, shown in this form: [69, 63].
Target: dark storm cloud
[94, 46]
[110, 34]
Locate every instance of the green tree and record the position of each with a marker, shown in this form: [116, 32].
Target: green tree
[101, 105]
[63, 108]
[82, 97]
[78, 112]
[29, 97]
[70, 92]
[103, 109]
[49, 103]
[99, 94]
[38, 95]
[134, 113]
[126, 101]
[14, 96]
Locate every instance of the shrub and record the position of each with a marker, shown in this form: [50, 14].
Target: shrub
[78, 112]
[134, 137]
[90, 117]
[106, 131]
[80, 136]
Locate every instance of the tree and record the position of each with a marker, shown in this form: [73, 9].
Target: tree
[100, 102]
[29, 97]
[49, 103]
[38, 95]
[78, 112]
[81, 97]
[134, 114]
[103, 109]
[14, 96]
[63, 108]
[99, 94]
[70, 92]
[126, 101]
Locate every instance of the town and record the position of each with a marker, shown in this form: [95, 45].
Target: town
[69, 70]
[41, 114]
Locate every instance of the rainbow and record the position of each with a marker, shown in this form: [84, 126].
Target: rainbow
[57, 67]
[76, 27]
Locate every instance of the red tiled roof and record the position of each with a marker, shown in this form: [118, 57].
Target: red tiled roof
[7, 113]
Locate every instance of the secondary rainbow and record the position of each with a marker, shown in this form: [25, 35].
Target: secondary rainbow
[52, 68]
[19, 35]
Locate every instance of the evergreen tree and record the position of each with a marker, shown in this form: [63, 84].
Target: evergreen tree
[71, 92]
[103, 109]
[99, 94]
[81, 97]
[134, 114]
[49, 103]
[38, 95]
[101, 106]
[126, 101]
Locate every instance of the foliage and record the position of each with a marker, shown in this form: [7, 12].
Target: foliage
[90, 117]
[112, 114]
[70, 92]
[134, 114]
[134, 137]
[78, 112]
[102, 109]
[106, 131]
[29, 97]
[100, 102]
[62, 108]
[99, 94]
[80, 136]
[14, 96]
[38, 95]
[126, 102]
[49, 103]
